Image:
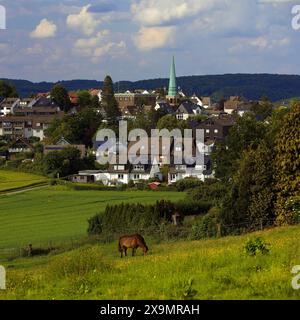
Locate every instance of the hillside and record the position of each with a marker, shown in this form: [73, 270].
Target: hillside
[252, 86]
[210, 269]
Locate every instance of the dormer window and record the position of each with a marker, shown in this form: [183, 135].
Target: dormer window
[138, 167]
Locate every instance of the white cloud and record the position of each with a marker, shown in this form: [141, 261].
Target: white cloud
[157, 12]
[84, 21]
[45, 29]
[154, 37]
[91, 42]
[261, 43]
[35, 50]
[111, 48]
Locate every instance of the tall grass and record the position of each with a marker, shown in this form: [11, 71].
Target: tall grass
[207, 269]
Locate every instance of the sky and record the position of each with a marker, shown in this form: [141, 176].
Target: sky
[51, 40]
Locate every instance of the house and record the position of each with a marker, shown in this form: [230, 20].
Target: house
[26, 126]
[130, 112]
[236, 104]
[165, 107]
[182, 171]
[216, 129]
[7, 105]
[135, 99]
[15, 127]
[187, 110]
[195, 99]
[74, 98]
[83, 178]
[96, 92]
[19, 145]
[63, 144]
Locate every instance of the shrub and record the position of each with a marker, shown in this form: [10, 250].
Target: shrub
[208, 226]
[2, 162]
[256, 246]
[130, 217]
[187, 183]
[191, 208]
[210, 190]
[131, 184]
[78, 263]
[13, 164]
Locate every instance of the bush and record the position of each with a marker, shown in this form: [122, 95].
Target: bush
[192, 208]
[78, 263]
[256, 246]
[188, 183]
[2, 162]
[130, 217]
[208, 226]
[211, 190]
[131, 184]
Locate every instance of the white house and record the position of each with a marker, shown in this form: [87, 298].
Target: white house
[187, 110]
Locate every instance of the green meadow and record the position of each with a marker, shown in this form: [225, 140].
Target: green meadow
[10, 180]
[56, 214]
[208, 269]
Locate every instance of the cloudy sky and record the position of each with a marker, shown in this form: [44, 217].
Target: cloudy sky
[135, 39]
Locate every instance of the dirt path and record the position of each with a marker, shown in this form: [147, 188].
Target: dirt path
[22, 190]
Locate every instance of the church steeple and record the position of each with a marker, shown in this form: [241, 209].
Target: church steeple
[172, 93]
[172, 83]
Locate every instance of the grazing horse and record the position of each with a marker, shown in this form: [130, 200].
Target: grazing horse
[133, 241]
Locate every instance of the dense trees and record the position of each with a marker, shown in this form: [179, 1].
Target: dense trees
[78, 129]
[251, 86]
[7, 90]
[109, 103]
[246, 133]
[287, 165]
[62, 163]
[259, 166]
[61, 97]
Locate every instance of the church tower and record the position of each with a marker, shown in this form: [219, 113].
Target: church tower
[172, 96]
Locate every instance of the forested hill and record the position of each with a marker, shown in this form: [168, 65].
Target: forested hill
[251, 86]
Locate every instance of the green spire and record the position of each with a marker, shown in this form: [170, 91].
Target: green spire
[172, 84]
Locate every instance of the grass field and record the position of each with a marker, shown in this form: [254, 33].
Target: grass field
[10, 180]
[210, 269]
[56, 213]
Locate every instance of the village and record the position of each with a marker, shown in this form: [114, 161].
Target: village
[24, 123]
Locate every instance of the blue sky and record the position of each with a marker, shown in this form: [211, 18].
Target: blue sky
[49, 40]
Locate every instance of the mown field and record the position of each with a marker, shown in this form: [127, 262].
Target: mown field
[209, 269]
[10, 180]
[56, 214]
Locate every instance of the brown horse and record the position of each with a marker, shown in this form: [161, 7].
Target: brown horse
[133, 241]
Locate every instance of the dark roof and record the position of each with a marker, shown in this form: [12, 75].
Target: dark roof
[187, 106]
[45, 102]
[166, 107]
[23, 141]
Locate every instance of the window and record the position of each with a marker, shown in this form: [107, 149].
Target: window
[120, 176]
[180, 167]
[138, 167]
[180, 116]
[119, 168]
[136, 177]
